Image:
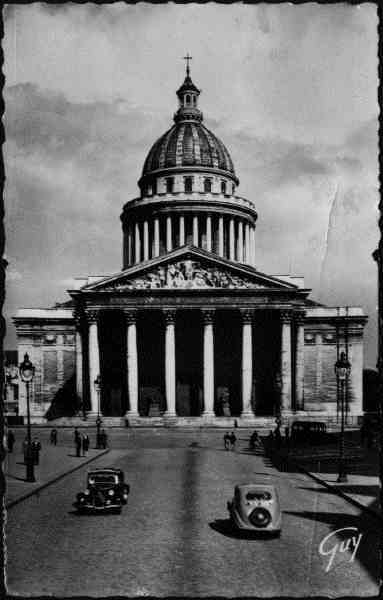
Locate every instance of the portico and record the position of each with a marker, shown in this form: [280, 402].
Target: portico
[188, 373]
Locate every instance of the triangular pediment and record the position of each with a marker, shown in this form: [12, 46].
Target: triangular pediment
[188, 268]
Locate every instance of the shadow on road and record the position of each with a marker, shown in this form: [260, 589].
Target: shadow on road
[367, 553]
[225, 527]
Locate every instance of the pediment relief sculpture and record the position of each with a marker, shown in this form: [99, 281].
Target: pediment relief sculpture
[185, 274]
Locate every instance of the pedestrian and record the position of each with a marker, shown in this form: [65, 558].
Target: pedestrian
[26, 449]
[226, 440]
[85, 444]
[53, 437]
[78, 444]
[10, 440]
[36, 447]
[235, 423]
[233, 440]
[254, 439]
[287, 436]
[278, 437]
[104, 439]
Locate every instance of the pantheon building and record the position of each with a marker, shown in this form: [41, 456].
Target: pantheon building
[190, 331]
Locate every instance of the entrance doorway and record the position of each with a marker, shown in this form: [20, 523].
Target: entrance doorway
[112, 346]
[189, 364]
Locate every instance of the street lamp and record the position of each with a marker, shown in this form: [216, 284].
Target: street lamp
[97, 386]
[342, 371]
[27, 372]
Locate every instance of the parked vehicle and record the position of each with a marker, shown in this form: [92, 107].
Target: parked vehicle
[106, 491]
[255, 507]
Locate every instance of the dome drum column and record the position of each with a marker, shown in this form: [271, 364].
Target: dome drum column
[195, 230]
[208, 234]
[182, 231]
[240, 241]
[231, 239]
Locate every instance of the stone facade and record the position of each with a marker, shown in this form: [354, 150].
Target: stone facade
[190, 330]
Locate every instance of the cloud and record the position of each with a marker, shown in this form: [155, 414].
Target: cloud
[13, 275]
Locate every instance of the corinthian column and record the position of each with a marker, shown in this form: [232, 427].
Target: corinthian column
[299, 362]
[208, 363]
[182, 231]
[146, 240]
[247, 363]
[208, 233]
[170, 363]
[137, 236]
[240, 242]
[94, 358]
[220, 237]
[132, 362]
[156, 250]
[169, 241]
[79, 355]
[231, 240]
[286, 361]
[247, 244]
[195, 230]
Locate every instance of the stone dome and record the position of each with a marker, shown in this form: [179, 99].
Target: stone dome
[188, 144]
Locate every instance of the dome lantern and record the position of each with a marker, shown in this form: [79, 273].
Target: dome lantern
[188, 99]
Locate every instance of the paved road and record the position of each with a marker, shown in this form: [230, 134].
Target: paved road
[173, 537]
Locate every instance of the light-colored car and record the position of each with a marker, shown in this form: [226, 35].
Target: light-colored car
[255, 507]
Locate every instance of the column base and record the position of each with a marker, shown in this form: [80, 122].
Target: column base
[247, 415]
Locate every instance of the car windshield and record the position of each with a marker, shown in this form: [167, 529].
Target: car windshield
[103, 478]
[258, 495]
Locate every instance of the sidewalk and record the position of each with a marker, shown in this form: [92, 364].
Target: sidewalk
[321, 464]
[55, 463]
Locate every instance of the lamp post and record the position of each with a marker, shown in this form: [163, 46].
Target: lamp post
[27, 372]
[342, 371]
[97, 386]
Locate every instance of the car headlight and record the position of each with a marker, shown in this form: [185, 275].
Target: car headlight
[111, 493]
[87, 492]
[108, 502]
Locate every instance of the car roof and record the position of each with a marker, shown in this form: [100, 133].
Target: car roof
[255, 486]
[109, 471]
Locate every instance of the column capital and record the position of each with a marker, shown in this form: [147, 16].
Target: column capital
[78, 316]
[170, 315]
[92, 315]
[286, 316]
[130, 316]
[247, 315]
[208, 315]
[299, 318]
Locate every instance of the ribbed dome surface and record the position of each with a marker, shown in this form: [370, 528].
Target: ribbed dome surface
[188, 144]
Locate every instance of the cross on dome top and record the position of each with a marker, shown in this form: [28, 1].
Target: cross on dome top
[187, 58]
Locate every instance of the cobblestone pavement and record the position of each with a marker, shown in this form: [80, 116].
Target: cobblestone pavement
[174, 538]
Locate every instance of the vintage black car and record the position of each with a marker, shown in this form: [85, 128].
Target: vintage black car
[106, 491]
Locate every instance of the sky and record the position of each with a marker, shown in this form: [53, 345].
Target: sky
[291, 91]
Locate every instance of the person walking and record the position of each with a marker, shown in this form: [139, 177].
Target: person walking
[226, 440]
[25, 449]
[53, 437]
[233, 440]
[104, 439]
[10, 440]
[36, 447]
[85, 444]
[78, 443]
[278, 437]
